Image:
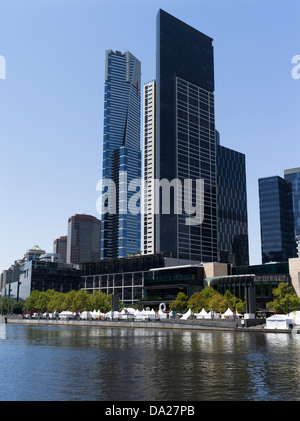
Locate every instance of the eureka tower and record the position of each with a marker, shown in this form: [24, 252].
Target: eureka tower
[121, 154]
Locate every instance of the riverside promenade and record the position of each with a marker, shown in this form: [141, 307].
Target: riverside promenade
[236, 325]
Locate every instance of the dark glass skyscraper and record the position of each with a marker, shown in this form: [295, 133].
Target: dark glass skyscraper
[232, 207]
[121, 154]
[293, 177]
[276, 219]
[186, 143]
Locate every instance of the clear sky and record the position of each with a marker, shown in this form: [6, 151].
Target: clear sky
[51, 102]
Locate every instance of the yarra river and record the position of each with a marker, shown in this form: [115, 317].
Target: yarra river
[71, 363]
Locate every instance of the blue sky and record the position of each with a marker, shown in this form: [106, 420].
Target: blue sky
[51, 102]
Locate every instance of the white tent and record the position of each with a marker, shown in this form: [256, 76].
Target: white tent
[295, 315]
[279, 321]
[228, 314]
[113, 315]
[212, 315]
[130, 310]
[86, 315]
[145, 315]
[66, 315]
[202, 314]
[126, 315]
[97, 314]
[186, 315]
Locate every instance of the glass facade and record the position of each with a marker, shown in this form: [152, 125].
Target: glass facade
[37, 275]
[263, 284]
[186, 144]
[121, 154]
[292, 176]
[124, 276]
[232, 207]
[276, 220]
[145, 278]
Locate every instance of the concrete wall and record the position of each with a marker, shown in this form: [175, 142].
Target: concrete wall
[222, 324]
[215, 269]
[294, 269]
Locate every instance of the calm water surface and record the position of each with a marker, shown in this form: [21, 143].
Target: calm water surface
[71, 363]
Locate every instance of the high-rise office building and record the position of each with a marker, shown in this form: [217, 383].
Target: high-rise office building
[186, 142]
[149, 166]
[121, 224]
[60, 247]
[276, 219]
[279, 200]
[292, 176]
[84, 239]
[232, 207]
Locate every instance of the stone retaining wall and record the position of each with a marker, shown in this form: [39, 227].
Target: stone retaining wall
[222, 324]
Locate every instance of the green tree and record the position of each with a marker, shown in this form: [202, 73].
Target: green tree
[69, 298]
[100, 301]
[43, 302]
[180, 303]
[207, 298]
[32, 302]
[233, 302]
[217, 302]
[81, 301]
[56, 301]
[285, 300]
[197, 302]
[17, 307]
[7, 305]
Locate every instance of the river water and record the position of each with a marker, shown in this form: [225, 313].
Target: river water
[80, 363]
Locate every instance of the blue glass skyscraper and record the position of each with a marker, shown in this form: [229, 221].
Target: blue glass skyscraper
[121, 154]
[276, 219]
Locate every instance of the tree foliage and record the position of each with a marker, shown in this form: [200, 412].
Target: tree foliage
[10, 306]
[51, 300]
[208, 299]
[285, 300]
[180, 304]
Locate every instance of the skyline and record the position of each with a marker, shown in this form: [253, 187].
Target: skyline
[52, 101]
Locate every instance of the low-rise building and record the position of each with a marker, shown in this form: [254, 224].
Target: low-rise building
[39, 271]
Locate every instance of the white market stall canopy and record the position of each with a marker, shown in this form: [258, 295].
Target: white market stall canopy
[295, 315]
[202, 314]
[186, 315]
[228, 314]
[279, 321]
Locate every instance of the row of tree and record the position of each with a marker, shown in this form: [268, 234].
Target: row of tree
[285, 301]
[208, 299]
[51, 300]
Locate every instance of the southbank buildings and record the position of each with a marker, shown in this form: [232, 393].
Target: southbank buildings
[201, 238]
[201, 229]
